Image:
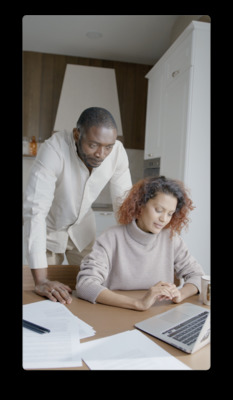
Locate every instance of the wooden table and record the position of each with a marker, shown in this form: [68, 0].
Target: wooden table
[108, 320]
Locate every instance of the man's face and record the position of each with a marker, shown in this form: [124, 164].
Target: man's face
[95, 145]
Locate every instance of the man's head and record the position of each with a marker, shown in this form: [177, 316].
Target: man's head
[95, 136]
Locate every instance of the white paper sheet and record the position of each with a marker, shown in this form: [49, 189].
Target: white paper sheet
[50, 350]
[58, 348]
[85, 330]
[130, 350]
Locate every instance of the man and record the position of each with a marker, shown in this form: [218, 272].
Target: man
[69, 172]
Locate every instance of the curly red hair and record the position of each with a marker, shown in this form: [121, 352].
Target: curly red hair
[148, 188]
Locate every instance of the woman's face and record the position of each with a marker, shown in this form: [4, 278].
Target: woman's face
[157, 213]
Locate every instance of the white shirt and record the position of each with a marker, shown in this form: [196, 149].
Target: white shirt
[59, 194]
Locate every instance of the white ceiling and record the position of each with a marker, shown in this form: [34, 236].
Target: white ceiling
[139, 39]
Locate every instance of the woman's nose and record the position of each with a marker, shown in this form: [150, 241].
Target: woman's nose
[162, 217]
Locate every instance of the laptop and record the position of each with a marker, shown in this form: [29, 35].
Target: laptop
[186, 327]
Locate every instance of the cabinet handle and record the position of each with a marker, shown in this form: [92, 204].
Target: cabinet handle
[150, 155]
[105, 213]
[175, 73]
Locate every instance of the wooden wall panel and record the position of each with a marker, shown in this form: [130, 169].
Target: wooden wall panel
[31, 94]
[42, 82]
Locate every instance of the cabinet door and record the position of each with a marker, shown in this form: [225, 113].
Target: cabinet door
[153, 138]
[179, 60]
[104, 220]
[175, 116]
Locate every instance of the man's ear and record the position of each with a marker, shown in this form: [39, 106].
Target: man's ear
[76, 134]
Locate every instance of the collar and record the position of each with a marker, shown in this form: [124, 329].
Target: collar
[137, 234]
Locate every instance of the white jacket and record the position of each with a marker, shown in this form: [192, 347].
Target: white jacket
[60, 192]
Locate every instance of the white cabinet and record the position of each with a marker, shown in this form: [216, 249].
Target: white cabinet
[153, 139]
[179, 58]
[174, 129]
[104, 220]
[167, 100]
[178, 126]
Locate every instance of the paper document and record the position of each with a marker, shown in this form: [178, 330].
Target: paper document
[85, 330]
[130, 350]
[50, 350]
[60, 347]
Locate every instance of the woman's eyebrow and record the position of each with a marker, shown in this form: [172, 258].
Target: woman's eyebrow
[159, 205]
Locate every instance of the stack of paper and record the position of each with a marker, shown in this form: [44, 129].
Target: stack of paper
[130, 350]
[58, 348]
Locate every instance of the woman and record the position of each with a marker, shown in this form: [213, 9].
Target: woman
[144, 251]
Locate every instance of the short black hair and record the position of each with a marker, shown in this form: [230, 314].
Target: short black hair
[95, 116]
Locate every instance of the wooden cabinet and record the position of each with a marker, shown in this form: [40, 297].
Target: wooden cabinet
[178, 126]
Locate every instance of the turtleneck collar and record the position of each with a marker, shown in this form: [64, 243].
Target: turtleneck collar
[144, 238]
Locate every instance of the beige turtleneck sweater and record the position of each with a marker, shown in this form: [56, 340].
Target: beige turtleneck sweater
[126, 258]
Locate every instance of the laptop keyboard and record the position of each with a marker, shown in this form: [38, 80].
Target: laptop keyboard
[188, 331]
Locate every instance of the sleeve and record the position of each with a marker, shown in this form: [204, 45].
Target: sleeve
[185, 264]
[39, 194]
[120, 182]
[94, 271]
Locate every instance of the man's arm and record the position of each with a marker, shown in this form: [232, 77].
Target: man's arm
[38, 198]
[39, 195]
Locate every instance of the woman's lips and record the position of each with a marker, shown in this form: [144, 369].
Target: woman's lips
[158, 226]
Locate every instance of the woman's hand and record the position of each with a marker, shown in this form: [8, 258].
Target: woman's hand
[160, 291]
[176, 295]
[179, 295]
[54, 290]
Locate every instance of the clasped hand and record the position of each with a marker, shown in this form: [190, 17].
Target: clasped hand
[55, 291]
[160, 291]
